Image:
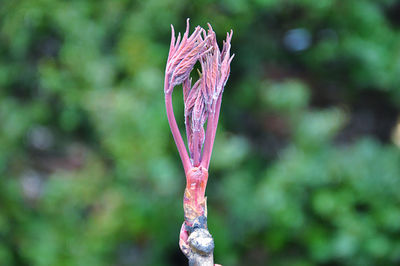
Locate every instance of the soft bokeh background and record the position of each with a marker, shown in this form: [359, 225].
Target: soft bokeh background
[306, 166]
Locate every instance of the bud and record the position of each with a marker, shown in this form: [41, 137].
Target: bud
[183, 54]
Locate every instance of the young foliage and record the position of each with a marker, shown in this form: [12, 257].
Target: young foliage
[202, 103]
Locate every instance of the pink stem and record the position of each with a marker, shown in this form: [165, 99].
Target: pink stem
[212, 125]
[196, 154]
[175, 131]
[187, 125]
[216, 118]
[205, 160]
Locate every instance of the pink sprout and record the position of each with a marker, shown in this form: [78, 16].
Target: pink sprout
[203, 99]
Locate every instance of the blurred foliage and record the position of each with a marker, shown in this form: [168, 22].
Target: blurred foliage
[304, 171]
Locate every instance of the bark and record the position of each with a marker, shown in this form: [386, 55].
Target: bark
[201, 246]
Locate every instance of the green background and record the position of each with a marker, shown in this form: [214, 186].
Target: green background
[306, 165]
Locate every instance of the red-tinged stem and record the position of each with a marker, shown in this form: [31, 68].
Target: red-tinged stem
[196, 155]
[215, 126]
[207, 150]
[194, 199]
[194, 240]
[187, 126]
[175, 131]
